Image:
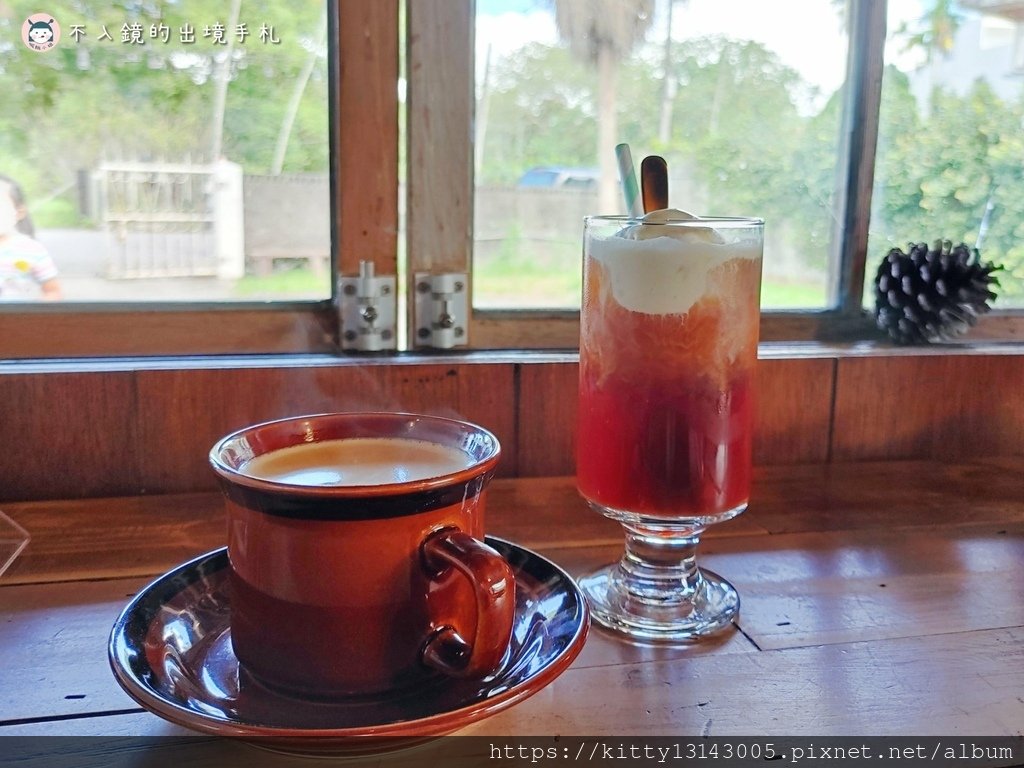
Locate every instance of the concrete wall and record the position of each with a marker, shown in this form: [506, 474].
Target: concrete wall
[537, 223]
[537, 214]
[287, 215]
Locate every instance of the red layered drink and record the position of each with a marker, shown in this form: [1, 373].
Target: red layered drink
[667, 353]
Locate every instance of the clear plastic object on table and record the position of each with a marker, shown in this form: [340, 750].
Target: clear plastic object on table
[13, 540]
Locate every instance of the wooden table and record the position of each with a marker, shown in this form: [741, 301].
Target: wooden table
[877, 599]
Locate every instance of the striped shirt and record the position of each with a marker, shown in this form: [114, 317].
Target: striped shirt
[24, 266]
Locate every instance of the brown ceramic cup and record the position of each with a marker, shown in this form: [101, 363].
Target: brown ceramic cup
[347, 590]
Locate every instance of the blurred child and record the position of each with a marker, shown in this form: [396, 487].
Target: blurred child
[26, 269]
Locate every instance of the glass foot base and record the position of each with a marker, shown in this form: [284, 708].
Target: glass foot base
[709, 607]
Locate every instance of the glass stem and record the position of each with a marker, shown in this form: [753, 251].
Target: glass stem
[660, 564]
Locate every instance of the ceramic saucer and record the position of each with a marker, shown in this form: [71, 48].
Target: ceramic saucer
[171, 651]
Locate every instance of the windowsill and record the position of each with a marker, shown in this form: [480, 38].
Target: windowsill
[771, 350]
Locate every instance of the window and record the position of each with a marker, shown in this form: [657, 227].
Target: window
[742, 102]
[951, 148]
[819, 195]
[173, 151]
[499, 158]
[176, 160]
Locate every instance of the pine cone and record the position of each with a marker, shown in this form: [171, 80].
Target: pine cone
[932, 295]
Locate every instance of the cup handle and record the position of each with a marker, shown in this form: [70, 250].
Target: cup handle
[494, 586]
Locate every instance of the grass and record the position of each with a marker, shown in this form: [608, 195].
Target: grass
[519, 283]
[777, 294]
[504, 285]
[285, 284]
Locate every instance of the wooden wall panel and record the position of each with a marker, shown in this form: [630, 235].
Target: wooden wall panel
[184, 412]
[794, 410]
[792, 421]
[546, 413]
[64, 330]
[72, 434]
[932, 407]
[68, 436]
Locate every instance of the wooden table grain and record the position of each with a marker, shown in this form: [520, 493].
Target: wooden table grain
[877, 599]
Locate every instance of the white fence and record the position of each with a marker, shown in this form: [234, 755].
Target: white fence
[171, 219]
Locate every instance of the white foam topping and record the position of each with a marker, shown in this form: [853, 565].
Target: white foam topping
[660, 269]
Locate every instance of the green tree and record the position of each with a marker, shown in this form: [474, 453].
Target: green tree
[750, 148]
[936, 178]
[540, 114]
[602, 33]
[934, 33]
[737, 131]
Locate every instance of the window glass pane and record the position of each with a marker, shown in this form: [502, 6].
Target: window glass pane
[166, 151]
[950, 159]
[741, 100]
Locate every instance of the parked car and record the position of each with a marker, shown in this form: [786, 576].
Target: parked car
[559, 177]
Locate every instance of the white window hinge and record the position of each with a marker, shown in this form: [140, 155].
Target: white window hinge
[441, 310]
[368, 311]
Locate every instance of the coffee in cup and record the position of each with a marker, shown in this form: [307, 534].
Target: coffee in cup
[358, 461]
[357, 560]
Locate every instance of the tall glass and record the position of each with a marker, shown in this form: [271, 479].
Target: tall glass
[668, 346]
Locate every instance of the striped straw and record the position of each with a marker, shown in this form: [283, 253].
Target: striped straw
[627, 176]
